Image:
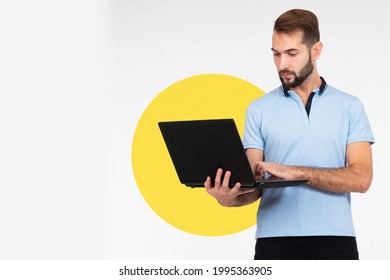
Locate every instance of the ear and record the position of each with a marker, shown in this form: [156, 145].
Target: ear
[316, 51]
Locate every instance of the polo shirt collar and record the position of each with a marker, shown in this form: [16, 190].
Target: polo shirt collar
[321, 89]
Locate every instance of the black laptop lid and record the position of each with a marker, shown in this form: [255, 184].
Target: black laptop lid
[198, 148]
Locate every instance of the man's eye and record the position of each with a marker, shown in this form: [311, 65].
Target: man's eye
[276, 54]
[292, 54]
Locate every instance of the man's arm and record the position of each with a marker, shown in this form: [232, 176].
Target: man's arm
[355, 177]
[235, 196]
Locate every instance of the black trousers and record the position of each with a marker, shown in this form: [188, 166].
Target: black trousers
[307, 248]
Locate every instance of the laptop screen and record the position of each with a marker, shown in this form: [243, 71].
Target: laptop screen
[199, 147]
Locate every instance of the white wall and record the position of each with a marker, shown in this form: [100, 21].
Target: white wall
[76, 77]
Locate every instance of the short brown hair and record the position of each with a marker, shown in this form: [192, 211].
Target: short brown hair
[299, 20]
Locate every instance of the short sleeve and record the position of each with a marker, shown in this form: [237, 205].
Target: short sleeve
[359, 126]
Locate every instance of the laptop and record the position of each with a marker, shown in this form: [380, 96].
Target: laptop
[199, 147]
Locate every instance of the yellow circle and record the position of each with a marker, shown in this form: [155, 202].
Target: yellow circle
[209, 96]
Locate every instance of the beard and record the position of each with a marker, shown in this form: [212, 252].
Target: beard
[298, 79]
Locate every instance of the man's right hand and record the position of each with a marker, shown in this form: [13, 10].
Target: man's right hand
[225, 195]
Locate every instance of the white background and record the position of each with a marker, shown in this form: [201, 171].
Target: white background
[76, 76]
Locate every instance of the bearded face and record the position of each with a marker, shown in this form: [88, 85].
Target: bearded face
[291, 79]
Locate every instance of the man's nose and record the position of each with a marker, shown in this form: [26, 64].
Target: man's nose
[284, 63]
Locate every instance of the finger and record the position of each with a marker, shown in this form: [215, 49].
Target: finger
[218, 176]
[207, 183]
[261, 171]
[226, 179]
[243, 191]
[258, 168]
[236, 187]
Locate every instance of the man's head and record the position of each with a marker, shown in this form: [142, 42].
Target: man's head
[296, 46]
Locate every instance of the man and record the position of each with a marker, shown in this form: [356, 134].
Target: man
[305, 129]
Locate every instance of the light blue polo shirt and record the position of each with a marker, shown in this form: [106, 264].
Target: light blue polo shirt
[278, 124]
